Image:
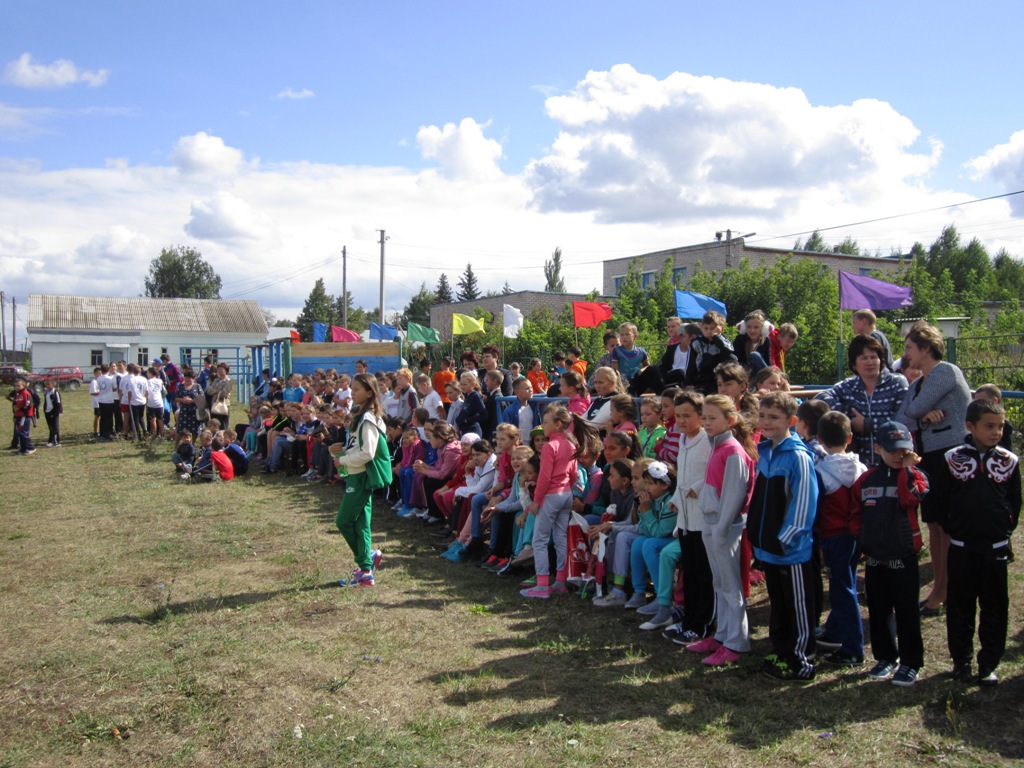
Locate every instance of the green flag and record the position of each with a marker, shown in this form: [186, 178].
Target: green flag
[417, 332]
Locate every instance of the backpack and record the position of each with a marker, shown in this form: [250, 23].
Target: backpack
[35, 401]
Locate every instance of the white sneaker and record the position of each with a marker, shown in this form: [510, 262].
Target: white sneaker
[611, 600]
[312, 477]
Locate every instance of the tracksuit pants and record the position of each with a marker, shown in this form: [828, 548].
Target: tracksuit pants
[791, 622]
[977, 580]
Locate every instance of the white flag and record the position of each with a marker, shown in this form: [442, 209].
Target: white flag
[513, 321]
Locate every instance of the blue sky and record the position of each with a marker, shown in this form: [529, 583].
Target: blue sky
[268, 135]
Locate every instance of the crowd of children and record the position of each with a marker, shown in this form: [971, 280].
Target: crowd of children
[669, 500]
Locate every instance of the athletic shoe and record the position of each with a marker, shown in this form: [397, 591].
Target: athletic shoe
[638, 599]
[558, 588]
[611, 600]
[375, 556]
[883, 670]
[537, 592]
[988, 678]
[29, 452]
[51, 445]
[905, 676]
[428, 520]
[312, 477]
[530, 582]
[720, 658]
[406, 511]
[778, 669]
[662, 618]
[650, 609]
[359, 579]
[489, 562]
[185, 478]
[706, 646]
[962, 672]
[840, 659]
[680, 636]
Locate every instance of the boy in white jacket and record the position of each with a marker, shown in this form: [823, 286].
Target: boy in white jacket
[688, 549]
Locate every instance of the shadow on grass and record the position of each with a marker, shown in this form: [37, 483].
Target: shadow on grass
[210, 604]
[564, 661]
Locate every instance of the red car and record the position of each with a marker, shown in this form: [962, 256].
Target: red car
[9, 372]
[67, 376]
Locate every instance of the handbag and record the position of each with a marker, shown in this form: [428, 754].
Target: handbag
[220, 408]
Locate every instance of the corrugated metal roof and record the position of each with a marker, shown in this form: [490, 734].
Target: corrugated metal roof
[73, 313]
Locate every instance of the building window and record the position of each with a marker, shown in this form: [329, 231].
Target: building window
[646, 279]
[96, 357]
[864, 272]
[617, 281]
[186, 356]
[679, 276]
[143, 358]
[163, 350]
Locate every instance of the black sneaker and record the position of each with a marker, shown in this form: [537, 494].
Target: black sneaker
[681, 636]
[778, 669]
[962, 672]
[988, 678]
[905, 676]
[840, 659]
[883, 670]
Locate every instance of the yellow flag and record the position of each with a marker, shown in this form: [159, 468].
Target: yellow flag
[463, 324]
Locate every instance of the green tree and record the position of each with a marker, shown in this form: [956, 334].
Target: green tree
[443, 291]
[555, 283]
[319, 308]
[814, 243]
[418, 308]
[181, 272]
[469, 288]
[506, 289]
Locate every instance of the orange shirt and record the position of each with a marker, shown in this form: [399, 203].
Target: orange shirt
[540, 382]
[440, 379]
[580, 366]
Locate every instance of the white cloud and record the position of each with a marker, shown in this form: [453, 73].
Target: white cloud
[291, 93]
[25, 73]
[635, 148]
[462, 151]
[226, 217]
[1004, 164]
[202, 154]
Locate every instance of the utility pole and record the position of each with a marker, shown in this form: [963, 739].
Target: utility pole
[3, 327]
[383, 239]
[344, 286]
[14, 324]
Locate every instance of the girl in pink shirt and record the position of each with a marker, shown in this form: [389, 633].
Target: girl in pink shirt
[552, 503]
[572, 387]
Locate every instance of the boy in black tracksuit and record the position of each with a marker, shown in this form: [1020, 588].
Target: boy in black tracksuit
[883, 518]
[706, 352]
[983, 486]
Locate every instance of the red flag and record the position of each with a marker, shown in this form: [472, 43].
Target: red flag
[344, 334]
[295, 336]
[590, 314]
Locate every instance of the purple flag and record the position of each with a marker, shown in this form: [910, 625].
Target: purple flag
[858, 292]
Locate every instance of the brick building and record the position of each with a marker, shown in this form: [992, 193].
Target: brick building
[525, 301]
[720, 255]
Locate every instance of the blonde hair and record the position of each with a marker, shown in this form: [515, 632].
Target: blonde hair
[654, 403]
[607, 372]
[509, 430]
[521, 451]
[404, 372]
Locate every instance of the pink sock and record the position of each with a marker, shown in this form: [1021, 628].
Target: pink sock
[560, 575]
[543, 579]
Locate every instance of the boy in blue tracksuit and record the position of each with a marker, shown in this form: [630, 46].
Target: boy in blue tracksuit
[779, 526]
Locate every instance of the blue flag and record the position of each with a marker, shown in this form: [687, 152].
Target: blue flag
[319, 333]
[692, 306]
[383, 332]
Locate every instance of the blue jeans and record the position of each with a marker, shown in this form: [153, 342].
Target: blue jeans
[840, 555]
[405, 478]
[22, 427]
[478, 505]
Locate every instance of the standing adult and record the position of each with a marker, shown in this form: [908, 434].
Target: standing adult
[489, 357]
[870, 398]
[218, 395]
[935, 411]
[173, 377]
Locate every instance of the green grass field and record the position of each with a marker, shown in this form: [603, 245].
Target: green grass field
[148, 622]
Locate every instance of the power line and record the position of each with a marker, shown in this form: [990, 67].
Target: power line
[894, 216]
